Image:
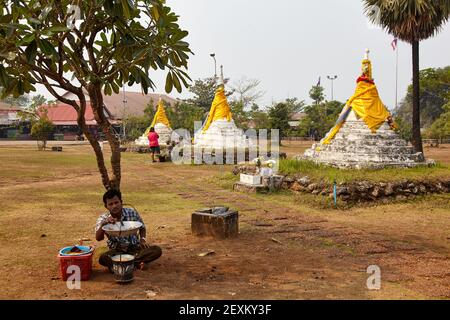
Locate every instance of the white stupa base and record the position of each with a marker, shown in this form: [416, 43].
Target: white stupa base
[356, 146]
[164, 133]
[221, 134]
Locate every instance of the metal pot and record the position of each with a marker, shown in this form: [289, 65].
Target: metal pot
[123, 267]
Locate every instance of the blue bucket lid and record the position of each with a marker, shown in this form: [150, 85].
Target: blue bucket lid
[85, 250]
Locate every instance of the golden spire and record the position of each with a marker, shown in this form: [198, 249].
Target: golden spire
[367, 66]
[220, 110]
[160, 115]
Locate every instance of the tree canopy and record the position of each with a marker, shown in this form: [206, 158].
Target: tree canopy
[93, 47]
[434, 94]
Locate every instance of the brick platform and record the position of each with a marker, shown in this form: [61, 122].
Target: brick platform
[248, 188]
[223, 225]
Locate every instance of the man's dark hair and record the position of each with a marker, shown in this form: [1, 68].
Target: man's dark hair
[152, 129]
[111, 194]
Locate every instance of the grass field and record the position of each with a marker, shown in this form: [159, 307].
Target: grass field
[327, 174]
[287, 247]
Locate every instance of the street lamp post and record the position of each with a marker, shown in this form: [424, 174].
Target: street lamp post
[213, 55]
[332, 85]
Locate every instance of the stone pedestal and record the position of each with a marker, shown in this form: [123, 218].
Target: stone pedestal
[222, 134]
[249, 188]
[356, 146]
[253, 180]
[164, 133]
[217, 223]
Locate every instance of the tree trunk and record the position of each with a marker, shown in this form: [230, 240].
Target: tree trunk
[94, 143]
[416, 135]
[96, 100]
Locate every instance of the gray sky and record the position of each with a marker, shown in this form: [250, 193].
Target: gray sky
[288, 44]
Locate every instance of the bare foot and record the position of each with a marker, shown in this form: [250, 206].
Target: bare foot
[141, 266]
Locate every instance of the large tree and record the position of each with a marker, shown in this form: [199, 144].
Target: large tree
[247, 91]
[204, 91]
[411, 21]
[434, 95]
[94, 46]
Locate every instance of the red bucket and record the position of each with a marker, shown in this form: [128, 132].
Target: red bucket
[84, 262]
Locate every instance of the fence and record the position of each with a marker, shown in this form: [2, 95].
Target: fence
[297, 139]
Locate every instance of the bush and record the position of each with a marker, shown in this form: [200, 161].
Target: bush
[40, 130]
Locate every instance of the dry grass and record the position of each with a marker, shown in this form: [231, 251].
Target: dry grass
[51, 200]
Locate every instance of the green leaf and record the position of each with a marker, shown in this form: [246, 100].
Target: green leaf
[155, 13]
[104, 38]
[55, 29]
[186, 85]
[175, 60]
[169, 83]
[48, 49]
[107, 89]
[179, 35]
[126, 8]
[26, 40]
[20, 88]
[31, 51]
[3, 77]
[115, 88]
[176, 83]
[8, 90]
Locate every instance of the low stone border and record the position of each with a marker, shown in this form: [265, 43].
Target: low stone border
[358, 191]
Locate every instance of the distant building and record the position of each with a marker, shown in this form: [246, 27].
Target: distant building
[121, 106]
[296, 118]
[117, 108]
[9, 120]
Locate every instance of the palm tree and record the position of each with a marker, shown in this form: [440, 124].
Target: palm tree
[411, 21]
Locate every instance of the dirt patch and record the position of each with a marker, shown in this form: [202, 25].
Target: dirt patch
[318, 254]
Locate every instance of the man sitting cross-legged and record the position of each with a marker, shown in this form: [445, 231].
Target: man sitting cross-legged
[133, 244]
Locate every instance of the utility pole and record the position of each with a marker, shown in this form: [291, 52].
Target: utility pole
[213, 55]
[332, 78]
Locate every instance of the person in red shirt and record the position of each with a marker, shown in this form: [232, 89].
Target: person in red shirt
[154, 144]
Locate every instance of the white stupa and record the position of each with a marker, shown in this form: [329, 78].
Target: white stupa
[219, 130]
[162, 127]
[364, 135]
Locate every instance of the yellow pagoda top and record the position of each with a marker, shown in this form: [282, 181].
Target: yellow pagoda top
[160, 115]
[365, 102]
[220, 110]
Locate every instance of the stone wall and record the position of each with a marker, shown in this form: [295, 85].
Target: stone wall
[359, 191]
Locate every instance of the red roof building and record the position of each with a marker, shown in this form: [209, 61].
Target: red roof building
[62, 114]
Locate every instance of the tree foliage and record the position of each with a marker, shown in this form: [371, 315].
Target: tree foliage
[20, 101]
[434, 94]
[204, 91]
[411, 21]
[110, 44]
[404, 128]
[440, 129]
[247, 91]
[320, 118]
[184, 115]
[279, 117]
[316, 94]
[40, 130]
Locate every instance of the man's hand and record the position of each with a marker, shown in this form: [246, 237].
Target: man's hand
[100, 234]
[143, 243]
[110, 220]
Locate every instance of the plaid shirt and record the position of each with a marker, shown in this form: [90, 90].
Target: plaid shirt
[123, 243]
